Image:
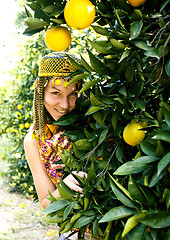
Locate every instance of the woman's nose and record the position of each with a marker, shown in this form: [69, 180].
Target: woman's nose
[64, 103]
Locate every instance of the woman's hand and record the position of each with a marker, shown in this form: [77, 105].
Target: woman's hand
[72, 183]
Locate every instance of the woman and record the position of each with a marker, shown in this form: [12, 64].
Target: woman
[44, 142]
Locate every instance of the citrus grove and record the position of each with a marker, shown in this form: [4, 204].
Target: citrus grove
[122, 140]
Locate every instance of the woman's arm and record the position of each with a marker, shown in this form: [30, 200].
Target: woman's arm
[42, 182]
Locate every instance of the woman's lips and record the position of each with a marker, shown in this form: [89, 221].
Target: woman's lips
[61, 112]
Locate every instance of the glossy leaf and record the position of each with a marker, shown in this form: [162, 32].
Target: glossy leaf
[142, 45]
[163, 135]
[83, 221]
[163, 163]
[67, 210]
[83, 144]
[117, 213]
[86, 65]
[135, 191]
[97, 65]
[157, 219]
[147, 148]
[135, 166]
[87, 85]
[132, 222]
[121, 196]
[103, 135]
[152, 52]
[135, 29]
[93, 109]
[55, 206]
[35, 23]
[137, 233]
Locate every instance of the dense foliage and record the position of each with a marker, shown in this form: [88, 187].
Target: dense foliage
[126, 194]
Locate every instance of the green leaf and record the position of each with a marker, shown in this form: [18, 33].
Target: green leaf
[100, 30]
[163, 135]
[116, 213]
[132, 222]
[93, 109]
[91, 173]
[75, 63]
[147, 148]
[130, 71]
[103, 135]
[152, 52]
[77, 77]
[142, 45]
[163, 163]
[101, 46]
[135, 166]
[74, 135]
[94, 100]
[55, 206]
[125, 55]
[86, 65]
[166, 115]
[66, 188]
[83, 145]
[53, 219]
[98, 117]
[137, 233]
[121, 196]
[35, 23]
[97, 65]
[41, 14]
[167, 67]
[140, 103]
[83, 221]
[157, 219]
[135, 191]
[135, 29]
[67, 210]
[67, 119]
[88, 85]
[63, 193]
[29, 31]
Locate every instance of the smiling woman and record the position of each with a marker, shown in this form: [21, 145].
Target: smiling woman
[45, 142]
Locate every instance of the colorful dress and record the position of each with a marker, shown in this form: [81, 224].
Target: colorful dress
[50, 150]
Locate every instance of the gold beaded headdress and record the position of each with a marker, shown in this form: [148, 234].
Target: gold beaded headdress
[52, 66]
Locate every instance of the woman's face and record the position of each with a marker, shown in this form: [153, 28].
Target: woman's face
[58, 100]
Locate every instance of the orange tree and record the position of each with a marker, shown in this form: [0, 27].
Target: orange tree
[126, 80]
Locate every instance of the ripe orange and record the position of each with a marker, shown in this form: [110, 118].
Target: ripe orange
[19, 106]
[136, 3]
[58, 38]
[132, 134]
[79, 14]
[27, 125]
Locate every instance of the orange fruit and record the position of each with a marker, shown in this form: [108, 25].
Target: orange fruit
[21, 126]
[19, 106]
[27, 125]
[58, 38]
[132, 134]
[79, 14]
[136, 3]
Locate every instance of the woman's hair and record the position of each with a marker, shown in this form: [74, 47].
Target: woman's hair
[51, 66]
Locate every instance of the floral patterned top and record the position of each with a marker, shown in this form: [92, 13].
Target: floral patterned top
[50, 149]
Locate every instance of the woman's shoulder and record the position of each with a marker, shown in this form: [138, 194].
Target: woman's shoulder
[28, 140]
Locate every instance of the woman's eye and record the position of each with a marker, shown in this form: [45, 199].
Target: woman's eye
[55, 93]
[74, 94]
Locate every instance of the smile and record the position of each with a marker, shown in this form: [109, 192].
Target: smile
[62, 112]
